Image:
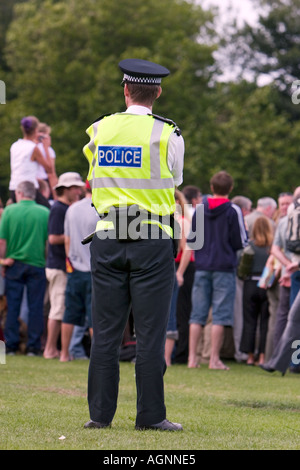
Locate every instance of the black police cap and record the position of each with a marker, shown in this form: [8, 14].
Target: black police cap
[142, 71]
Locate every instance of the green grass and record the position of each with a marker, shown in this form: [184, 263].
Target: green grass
[244, 408]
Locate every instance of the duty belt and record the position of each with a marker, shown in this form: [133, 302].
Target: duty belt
[127, 223]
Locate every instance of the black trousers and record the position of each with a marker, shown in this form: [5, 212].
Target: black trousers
[255, 307]
[140, 274]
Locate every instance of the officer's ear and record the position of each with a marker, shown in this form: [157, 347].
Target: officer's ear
[126, 92]
[159, 92]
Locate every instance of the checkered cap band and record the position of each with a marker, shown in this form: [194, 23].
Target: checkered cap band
[146, 80]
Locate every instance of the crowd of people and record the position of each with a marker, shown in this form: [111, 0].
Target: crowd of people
[243, 279]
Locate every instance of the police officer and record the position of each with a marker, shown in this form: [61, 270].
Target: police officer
[135, 162]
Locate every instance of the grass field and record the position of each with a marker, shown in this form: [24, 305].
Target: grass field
[43, 406]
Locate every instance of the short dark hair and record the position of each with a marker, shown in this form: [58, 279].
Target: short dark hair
[60, 191]
[191, 192]
[143, 93]
[221, 183]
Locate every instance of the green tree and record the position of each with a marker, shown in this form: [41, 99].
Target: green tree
[271, 48]
[277, 38]
[6, 15]
[244, 135]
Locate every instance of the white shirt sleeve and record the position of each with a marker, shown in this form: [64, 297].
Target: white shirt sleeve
[176, 157]
[243, 232]
[175, 148]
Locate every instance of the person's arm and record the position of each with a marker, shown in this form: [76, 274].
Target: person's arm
[37, 156]
[285, 280]
[176, 157]
[67, 245]
[278, 253]
[3, 244]
[3, 260]
[183, 264]
[185, 251]
[292, 267]
[56, 239]
[52, 176]
[2, 247]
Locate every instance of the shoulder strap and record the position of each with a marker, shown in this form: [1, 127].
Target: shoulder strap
[167, 121]
[101, 117]
[155, 116]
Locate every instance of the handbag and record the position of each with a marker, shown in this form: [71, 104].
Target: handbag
[245, 265]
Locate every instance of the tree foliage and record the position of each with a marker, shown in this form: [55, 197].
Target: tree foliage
[271, 48]
[246, 135]
[277, 38]
[63, 58]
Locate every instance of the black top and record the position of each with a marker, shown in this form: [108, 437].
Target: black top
[56, 258]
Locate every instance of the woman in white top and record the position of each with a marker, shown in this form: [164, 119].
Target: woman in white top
[25, 157]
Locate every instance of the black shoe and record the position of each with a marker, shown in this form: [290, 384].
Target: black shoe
[266, 368]
[95, 424]
[10, 352]
[164, 425]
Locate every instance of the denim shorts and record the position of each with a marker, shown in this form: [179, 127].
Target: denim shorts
[214, 289]
[78, 298]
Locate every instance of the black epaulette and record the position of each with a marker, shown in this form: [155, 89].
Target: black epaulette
[101, 117]
[168, 121]
[160, 118]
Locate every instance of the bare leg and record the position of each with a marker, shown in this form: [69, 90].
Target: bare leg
[261, 359]
[194, 336]
[53, 330]
[250, 360]
[169, 346]
[66, 335]
[217, 335]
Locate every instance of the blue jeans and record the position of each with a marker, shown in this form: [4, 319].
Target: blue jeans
[76, 348]
[214, 289]
[78, 298]
[17, 277]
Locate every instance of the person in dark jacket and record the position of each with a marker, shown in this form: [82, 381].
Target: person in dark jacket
[215, 263]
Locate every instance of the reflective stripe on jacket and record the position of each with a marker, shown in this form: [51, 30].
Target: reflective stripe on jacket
[127, 157]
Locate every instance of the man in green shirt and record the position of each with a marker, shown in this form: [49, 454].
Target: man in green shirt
[23, 237]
